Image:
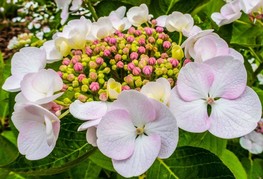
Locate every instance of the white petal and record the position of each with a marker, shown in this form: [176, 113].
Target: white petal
[116, 135]
[89, 124]
[161, 20]
[76, 4]
[89, 110]
[194, 81]
[236, 55]
[91, 136]
[191, 116]
[235, 118]
[230, 77]
[12, 83]
[52, 52]
[146, 151]
[165, 126]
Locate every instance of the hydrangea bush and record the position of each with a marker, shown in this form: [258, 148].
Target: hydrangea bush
[145, 90]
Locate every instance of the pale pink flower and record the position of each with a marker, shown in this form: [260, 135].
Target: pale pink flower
[138, 15]
[103, 27]
[159, 90]
[253, 142]
[249, 6]
[205, 45]
[27, 60]
[221, 84]
[40, 87]
[38, 130]
[91, 113]
[118, 20]
[228, 13]
[135, 132]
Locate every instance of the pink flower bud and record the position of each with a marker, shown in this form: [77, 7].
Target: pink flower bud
[113, 49]
[186, 61]
[125, 88]
[130, 66]
[94, 86]
[117, 57]
[81, 77]
[93, 76]
[93, 65]
[120, 64]
[66, 61]
[147, 70]
[65, 87]
[166, 44]
[99, 60]
[137, 32]
[131, 30]
[154, 22]
[128, 79]
[70, 77]
[161, 36]
[134, 56]
[126, 51]
[151, 40]
[77, 52]
[78, 67]
[60, 74]
[130, 39]
[152, 61]
[88, 51]
[107, 39]
[136, 71]
[159, 29]
[141, 41]
[164, 55]
[160, 60]
[141, 49]
[113, 41]
[103, 97]
[106, 53]
[148, 30]
[75, 59]
[174, 62]
[82, 98]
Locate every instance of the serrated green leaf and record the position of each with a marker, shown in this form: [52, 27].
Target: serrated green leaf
[8, 151]
[71, 149]
[101, 160]
[233, 163]
[204, 140]
[190, 163]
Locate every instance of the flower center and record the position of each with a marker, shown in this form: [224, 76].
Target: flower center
[210, 100]
[139, 130]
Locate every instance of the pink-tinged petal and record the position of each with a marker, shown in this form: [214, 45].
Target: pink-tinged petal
[191, 116]
[21, 99]
[89, 110]
[194, 81]
[235, 118]
[49, 99]
[89, 124]
[76, 4]
[236, 55]
[28, 60]
[116, 135]
[12, 83]
[49, 131]
[91, 136]
[146, 151]
[230, 77]
[161, 20]
[253, 142]
[165, 126]
[138, 105]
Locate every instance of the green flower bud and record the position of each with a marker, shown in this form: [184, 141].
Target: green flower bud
[66, 100]
[84, 88]
[75, 83]
[177, 52]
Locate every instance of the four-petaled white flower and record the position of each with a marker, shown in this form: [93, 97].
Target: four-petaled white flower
[228, 13]
[221, 84]
[38, 130]
[251, 5]
[138, 15]
[101, 28]
[135, 131]
[27, 60]
[91, 112]
[119, 22]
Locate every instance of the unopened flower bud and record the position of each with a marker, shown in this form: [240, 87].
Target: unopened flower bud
[134, 55]
[94, 86]
[186, 61]
[130, 39]
[120, 64]
[136, 71]
[141, 50]
[147, 70]
[99, 60]
[177, 52]
[93, 76]
[78, 67]
[159, 29]
[166, 44]
[70, 77]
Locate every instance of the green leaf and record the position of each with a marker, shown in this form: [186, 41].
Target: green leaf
[253, 167]
[86, 170]
[71, 149]
[233, 163]
[259, 93]
[204, 140]
[101, 160]
[8, 151]
[111, 6]
[190, 162]
[247, 34]
[134, 2]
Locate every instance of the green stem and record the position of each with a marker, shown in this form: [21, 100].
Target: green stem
[92, 10]
[64, 114]
[255, 55]
[242, 22]
[251, 164]
[180, 38]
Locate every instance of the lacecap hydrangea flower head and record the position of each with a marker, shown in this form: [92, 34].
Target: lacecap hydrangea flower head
[132, 86]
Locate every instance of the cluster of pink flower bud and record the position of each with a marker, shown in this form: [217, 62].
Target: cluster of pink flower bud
[133, 58]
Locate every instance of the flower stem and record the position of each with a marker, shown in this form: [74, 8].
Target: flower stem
[92, 10]
[64, 114]
[180, 38]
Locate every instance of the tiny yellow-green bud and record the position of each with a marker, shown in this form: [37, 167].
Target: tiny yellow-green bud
[106, 70]
[101, 81]
[170, 72]
[124, 57]
[138, 83]
[66, 100]
[70, 88]
[177, 52]
[75, 83]
[114, 67]
[112, 62]
[84, 88]
[85, 81]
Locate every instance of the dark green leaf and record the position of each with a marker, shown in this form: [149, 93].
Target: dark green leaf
[101, 160]
[204, 140]
[71, 149]
[190, 163]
